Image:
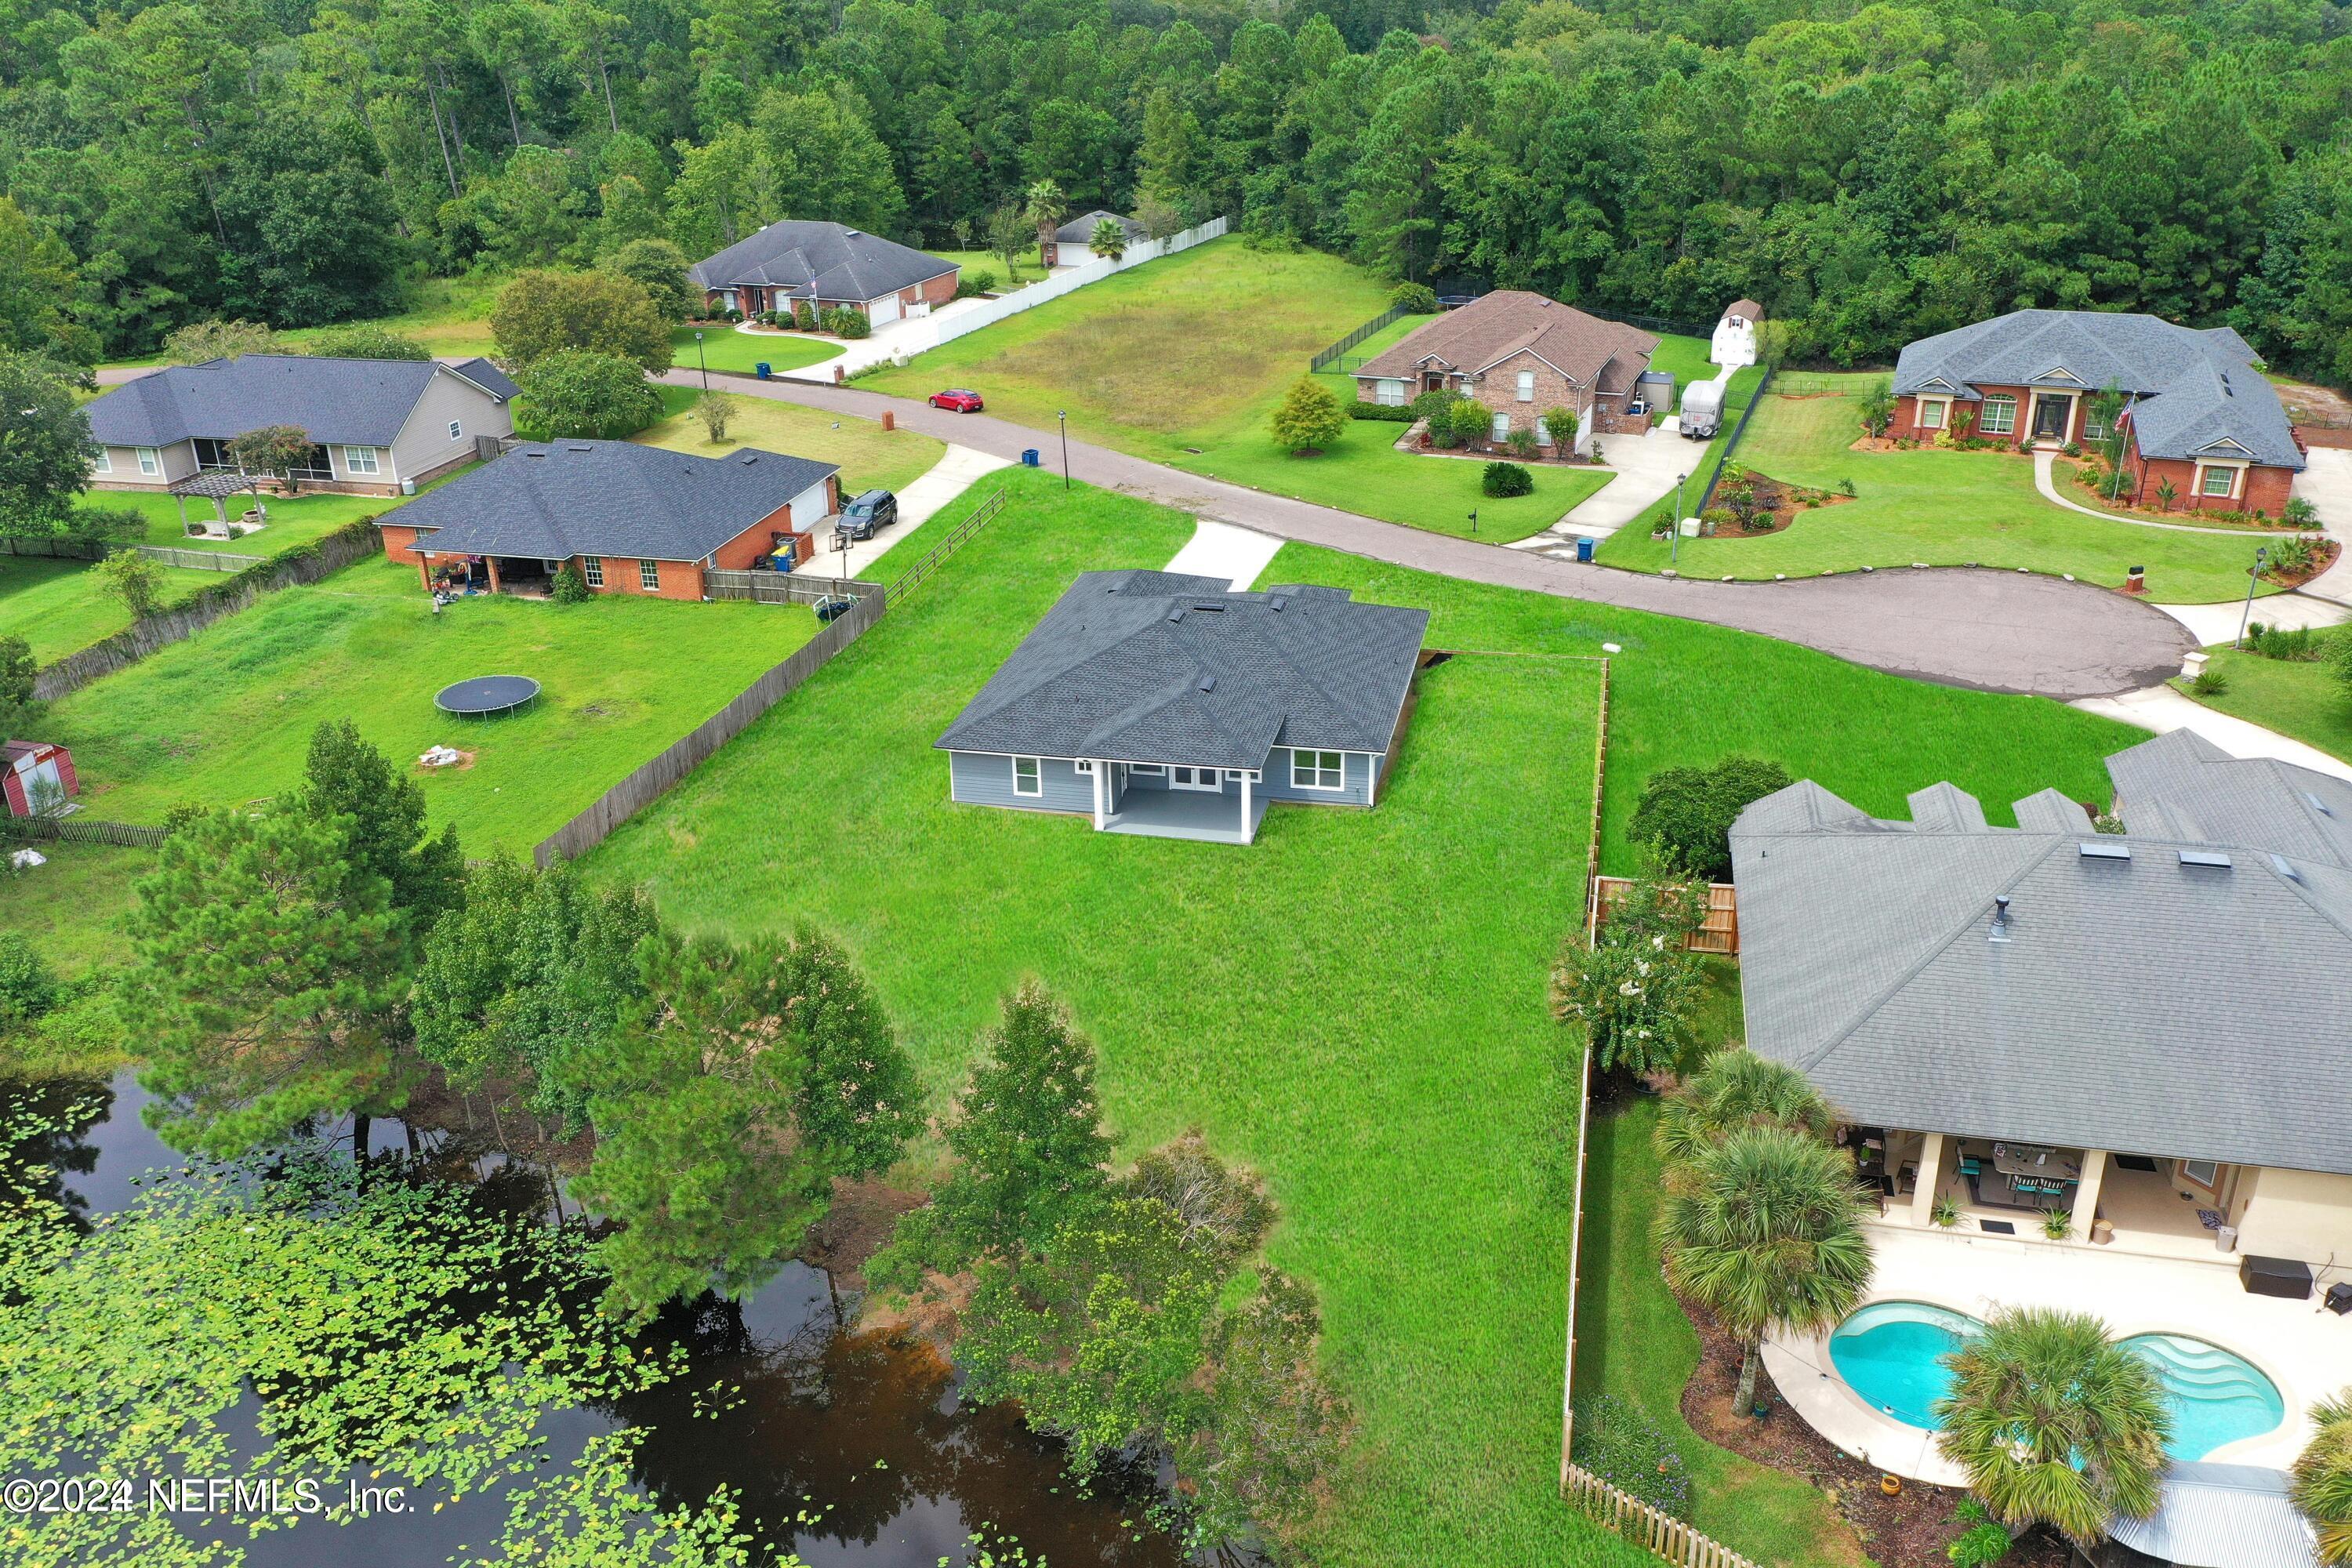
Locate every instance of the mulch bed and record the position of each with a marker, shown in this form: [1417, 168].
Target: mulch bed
[1910, 1529]
[2323, 557]
[1782, 501]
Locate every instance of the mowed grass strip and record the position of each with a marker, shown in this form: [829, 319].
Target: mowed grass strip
[1355, 1004]
[724, 348]
[1944, 508]
[868, 455]
[2296, 697]
[225, 717]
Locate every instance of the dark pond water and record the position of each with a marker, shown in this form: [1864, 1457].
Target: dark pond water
[866, 1430]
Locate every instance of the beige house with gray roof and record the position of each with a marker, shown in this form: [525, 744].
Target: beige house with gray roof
[1517, 354]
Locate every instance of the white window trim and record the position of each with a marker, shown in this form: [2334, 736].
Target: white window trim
[2205, 471]
[650, 569]
[1984, 420]
[150, 461]
[1527, 387]
[1036, 777]
[2211, 1183]
[101, 462]
[592, 568]
[1498, 427]
[1084, 765]
[457, 430]
[362, 460]
[1315, 770]
[1389, 393]
[1942, 408]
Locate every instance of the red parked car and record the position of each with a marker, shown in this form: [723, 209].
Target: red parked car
[956, 400]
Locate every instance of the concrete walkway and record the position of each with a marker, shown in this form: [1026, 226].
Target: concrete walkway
[1224, 549]
[2164, 710]
[2211, 624]
[2000, 631]
[2045, 480]
[2326, 483]
[939, 485]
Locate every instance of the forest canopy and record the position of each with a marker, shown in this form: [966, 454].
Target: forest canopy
[1870, 174]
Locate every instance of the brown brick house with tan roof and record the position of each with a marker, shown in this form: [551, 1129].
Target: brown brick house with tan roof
[1517, 353]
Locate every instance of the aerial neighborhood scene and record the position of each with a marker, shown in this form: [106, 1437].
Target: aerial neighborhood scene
[1339, 784]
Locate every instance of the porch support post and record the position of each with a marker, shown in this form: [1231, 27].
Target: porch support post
[2086, 1191]
[425, 574]
[184, 513]
[1931, 1180]
[1249, 833]
[492, 562]
[1102, 794]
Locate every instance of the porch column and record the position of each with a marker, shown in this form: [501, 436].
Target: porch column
[1931, 1180]
[425, 574]
[1102, 794]
[2086, 1191]
[1248, 833]
[492, 562]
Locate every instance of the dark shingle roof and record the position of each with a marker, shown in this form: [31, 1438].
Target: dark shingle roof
[483, 374]
[2193, 394]
[607, 498]
[1081, 228]
[819, 260]
[1157, 667]
[2122, 1013]
[1495, 326]
[361, 401]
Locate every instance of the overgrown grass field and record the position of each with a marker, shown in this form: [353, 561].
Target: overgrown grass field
[71, 908]
[1944, 508]
[225, 717]
[868, 455]
[2296, 697]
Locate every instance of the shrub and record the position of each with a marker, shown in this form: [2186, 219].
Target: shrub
[363, 340]
[1560, 424]
[27, 988]
[542, 313]
[2071, 449]
[1635, 990]
[1393, 414]
[1506, 479]
[570, 587]
[1431, 406]
[1715, 517]
[1523, 444]
[1469, 422]
[2208, 682]
[201, 340]
[1616, 1442]
[130, 576]
[804, 316]
[659, 268]
[1308, 417]
[2299, 513]
[1983, 1544]
[1758, 521]
[717, 411]
[576, 394]
[1414, 299]
[1687, 813]
[2300, 644]
[854, 324]
[1878, 408]
[2294, 556]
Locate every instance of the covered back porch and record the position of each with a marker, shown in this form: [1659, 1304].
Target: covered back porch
[1210, 805]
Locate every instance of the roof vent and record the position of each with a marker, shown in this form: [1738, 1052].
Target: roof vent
[1277, 603]
[1210, 609]
[1175, 615]
[2287, 867]
[578, 446]
[2205, 858]
[1208, 683]
[749, 457]
[530, 452]
[2317, 804]
[1999, 931]
[2103, 849]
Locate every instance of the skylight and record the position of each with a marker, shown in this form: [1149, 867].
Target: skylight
[2103, 849]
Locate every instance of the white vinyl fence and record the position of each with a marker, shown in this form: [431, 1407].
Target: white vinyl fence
[930, 332]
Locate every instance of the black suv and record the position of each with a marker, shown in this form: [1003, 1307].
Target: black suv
[867, 515]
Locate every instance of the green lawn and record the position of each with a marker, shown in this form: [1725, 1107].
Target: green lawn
[1025, 271]
[71, 908]
[293, 520]
[723, 348]
[869, 456]
[1940, 506]
[2296, 698]
[225, 717]
[1684, 359]
[58, 605]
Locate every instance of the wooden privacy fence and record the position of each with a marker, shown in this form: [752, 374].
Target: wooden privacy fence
[1720, 933]
[1339, 352]
[83, 830]
[802, 587]
[199, 559]
[912, 577]
[650, 782]
[1636, 1521]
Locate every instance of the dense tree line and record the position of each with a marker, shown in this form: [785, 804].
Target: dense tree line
[1872, 172]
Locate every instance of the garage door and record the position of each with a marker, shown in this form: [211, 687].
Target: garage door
[883, 309]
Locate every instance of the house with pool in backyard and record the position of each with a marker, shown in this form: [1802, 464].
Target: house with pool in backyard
[1163, 704]
[2097, 1070]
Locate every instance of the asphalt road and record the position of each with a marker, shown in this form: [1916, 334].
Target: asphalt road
[1997, 631]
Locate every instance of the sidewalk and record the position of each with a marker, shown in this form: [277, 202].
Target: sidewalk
[1224, 549]
[2163, 709]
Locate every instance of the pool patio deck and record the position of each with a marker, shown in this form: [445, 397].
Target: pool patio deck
[2301, 1347]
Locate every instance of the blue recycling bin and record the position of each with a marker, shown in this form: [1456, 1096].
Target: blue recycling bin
[1029, 457]
[763, 371]
[1583, 549]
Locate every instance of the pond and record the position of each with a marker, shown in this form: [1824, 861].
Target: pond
[853, 1449]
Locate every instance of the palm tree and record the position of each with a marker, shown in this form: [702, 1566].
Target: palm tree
[2055, 1423]
[1733, 1089]
[2323, 1480]
[1767, 1234]
[1043, 205]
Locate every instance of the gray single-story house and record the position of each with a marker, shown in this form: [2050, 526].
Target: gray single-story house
[1078, 233]
[828, 265]
[1163, 704]
[378, 426]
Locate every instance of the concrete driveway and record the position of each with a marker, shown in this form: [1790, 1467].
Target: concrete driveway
[1999, 631]
[939, 487]
[1646, 466]
[2326, 483]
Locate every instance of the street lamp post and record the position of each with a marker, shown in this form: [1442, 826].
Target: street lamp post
[700, 360]
[1064, 415]
[1674, 550]
[2261, 554]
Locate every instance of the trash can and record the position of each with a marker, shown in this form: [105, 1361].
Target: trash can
[1029, 457]
[2225, 1236]
[1584, 548]
[763, 371]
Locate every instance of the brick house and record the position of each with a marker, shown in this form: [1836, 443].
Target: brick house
[2198, 412]
[379, 425]
[633, 520]
[827, 265]
[1519, 353]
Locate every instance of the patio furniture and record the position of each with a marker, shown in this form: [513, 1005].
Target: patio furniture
[2289, 1278]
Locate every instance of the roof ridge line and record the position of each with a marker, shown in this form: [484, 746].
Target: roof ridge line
[1934, 950]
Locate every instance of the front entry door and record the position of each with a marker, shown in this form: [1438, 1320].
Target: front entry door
[1194, 778]
[2050, 417]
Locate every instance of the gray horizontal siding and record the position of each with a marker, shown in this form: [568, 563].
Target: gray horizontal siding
[978, 778]
[1359, 774]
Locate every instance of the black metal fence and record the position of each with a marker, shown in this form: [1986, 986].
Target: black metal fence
[1754, 399]
[1339, 352]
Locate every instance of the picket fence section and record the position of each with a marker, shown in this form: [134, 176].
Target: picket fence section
[199, 559]
[84, 830]
[913, 339]
[806, 586]
[653, 780]
[1656, 1532]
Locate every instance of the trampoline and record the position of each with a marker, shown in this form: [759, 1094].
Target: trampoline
[487, 696]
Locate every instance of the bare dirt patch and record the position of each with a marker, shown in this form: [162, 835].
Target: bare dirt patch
[2306, 404]
[464, 763]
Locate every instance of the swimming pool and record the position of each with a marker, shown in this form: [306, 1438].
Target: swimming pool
[1890, 1353]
